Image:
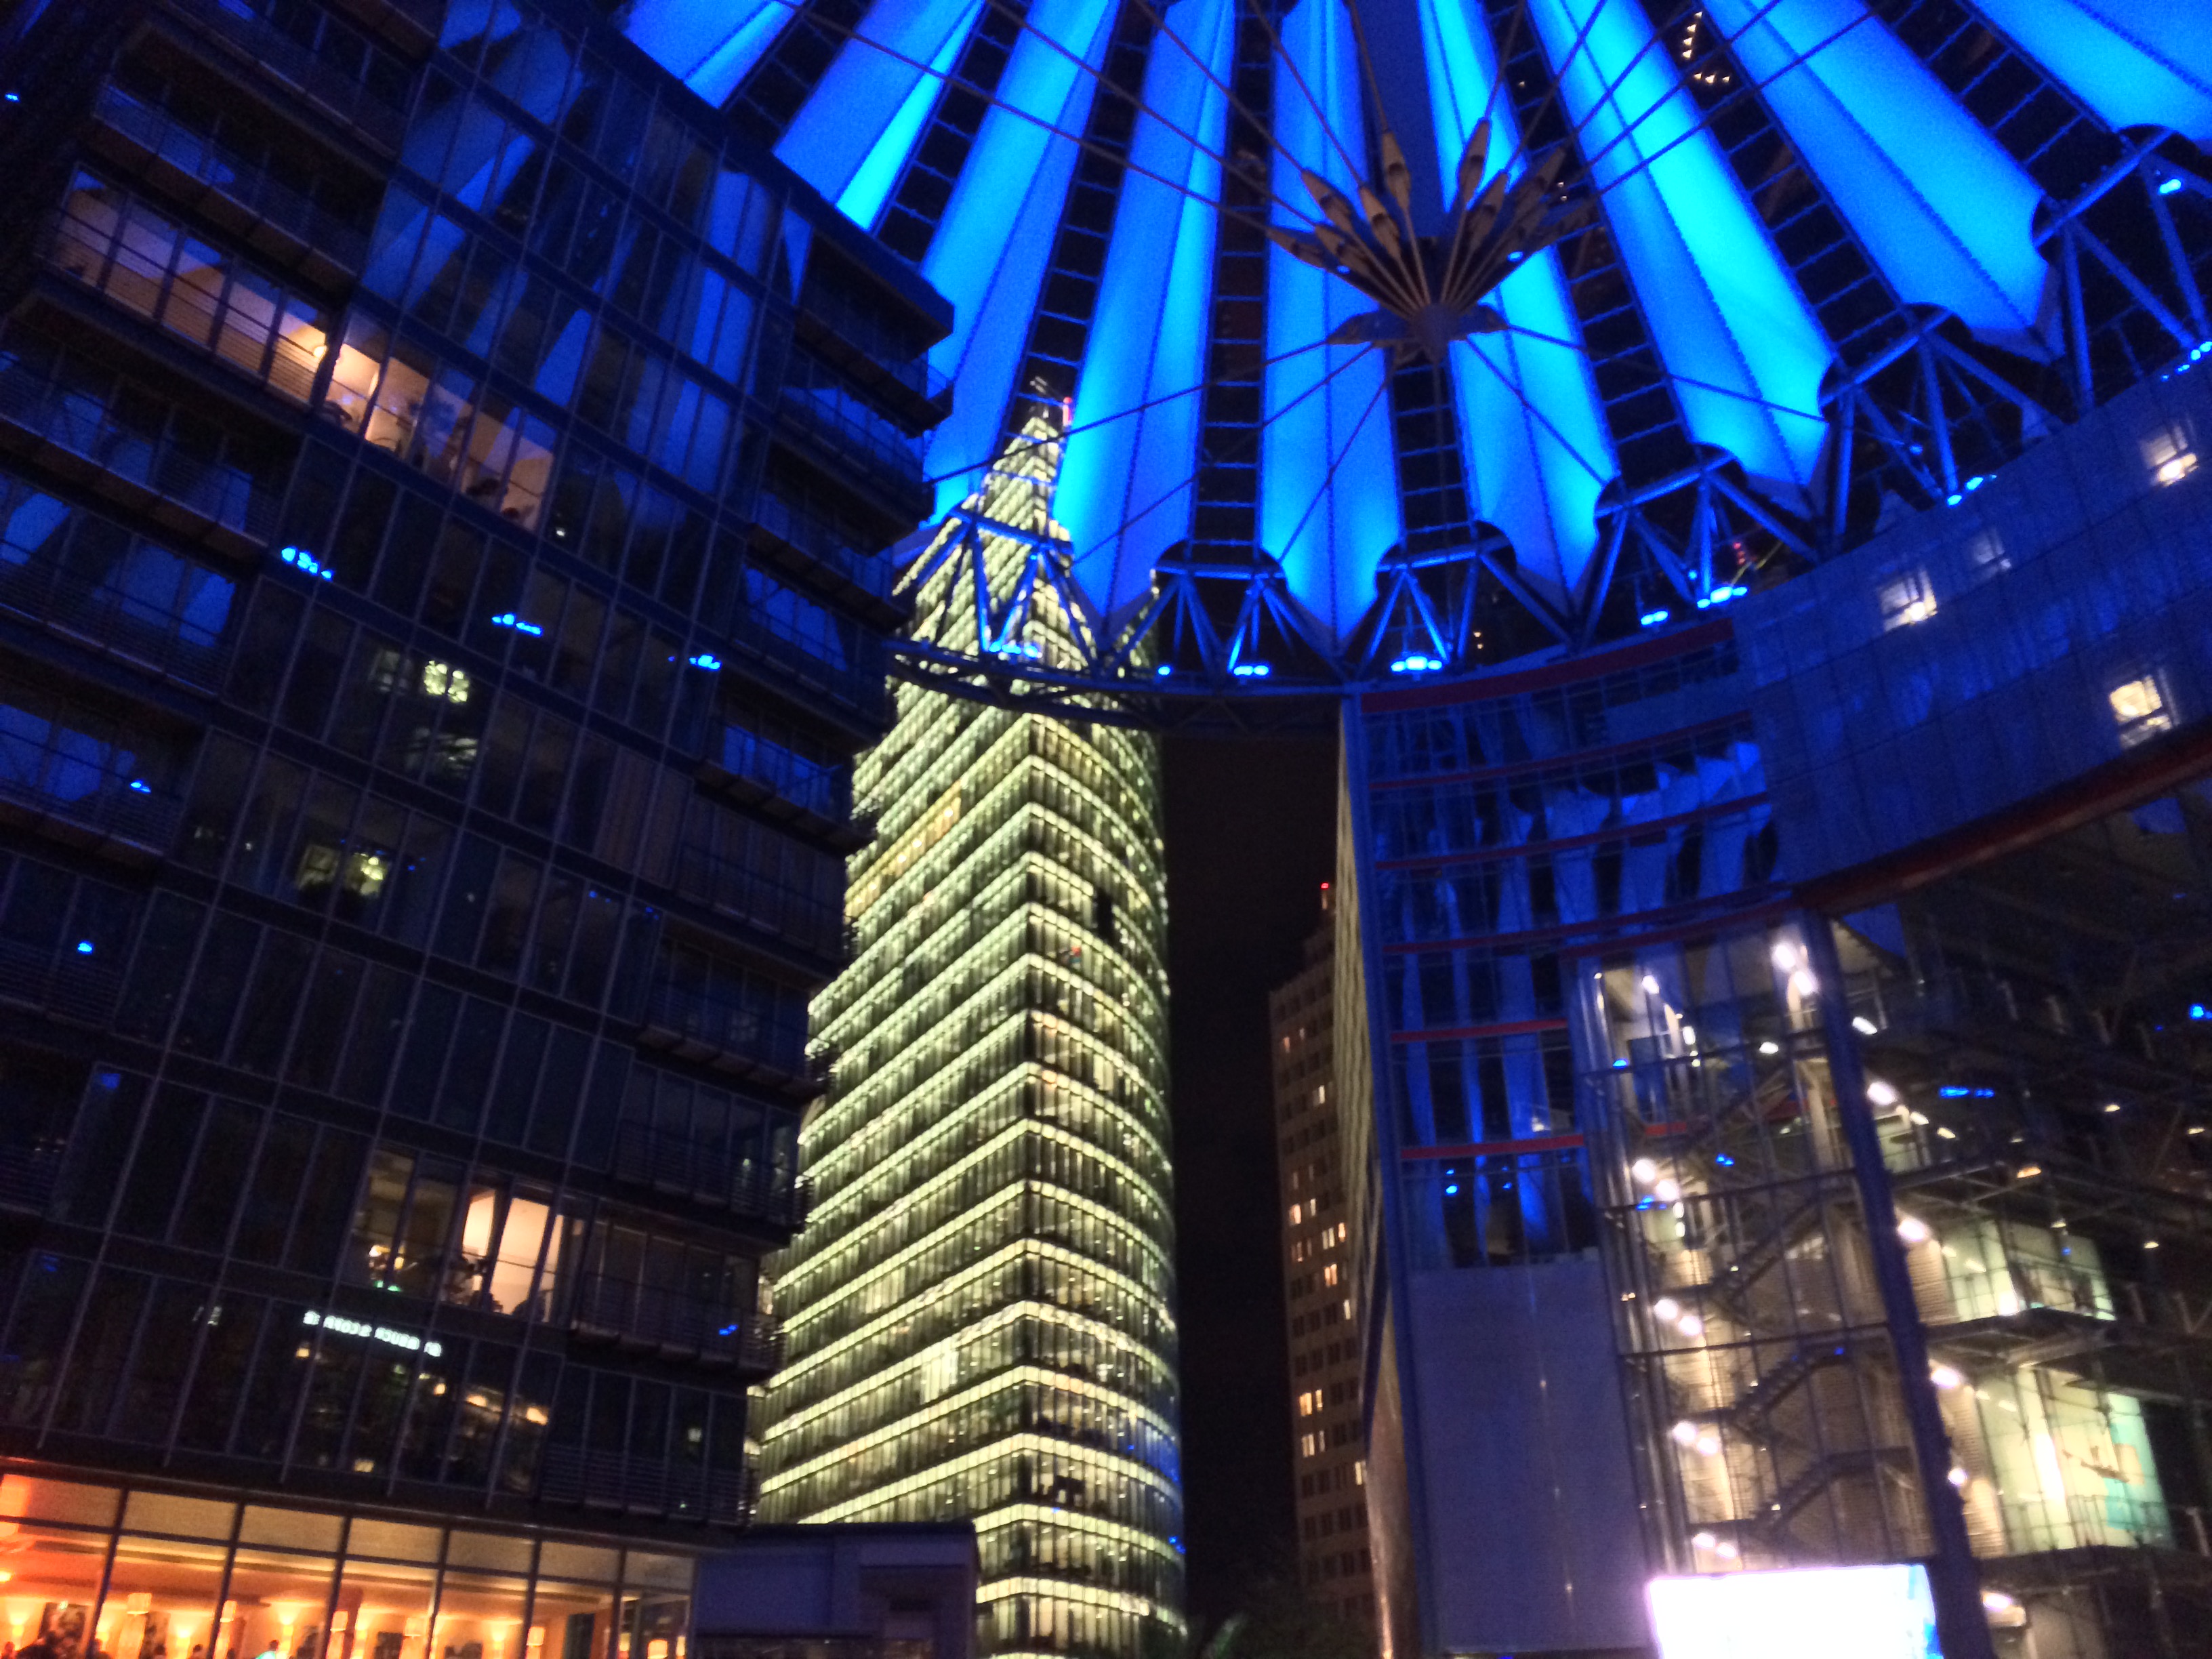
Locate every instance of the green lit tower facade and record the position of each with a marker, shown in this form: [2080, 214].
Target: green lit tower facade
[981, 1308]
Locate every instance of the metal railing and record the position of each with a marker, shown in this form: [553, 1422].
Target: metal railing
[2038, 1525]
[602, 1479]
[103, 260]
[813, 534]
[245, 182]
[601, 1304]
[736, 889]
[79, 987]
[888, 355]
[345, 95]
[117, 810]
[723, 1024]
[81, 421]
[678, 1164]
[113, 622]
[27, 1177]
[824, 791]
[875, 446]
[863, 692]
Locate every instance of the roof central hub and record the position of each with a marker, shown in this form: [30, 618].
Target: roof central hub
[1428, 290]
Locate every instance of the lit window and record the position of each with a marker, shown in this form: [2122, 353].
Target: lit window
[2167, 454]
[1986, 553]
[1907, 600]
[443, 680]
[2140, 710]
[1329, 1273]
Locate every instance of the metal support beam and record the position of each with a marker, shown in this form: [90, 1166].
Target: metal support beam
[1961, 1622]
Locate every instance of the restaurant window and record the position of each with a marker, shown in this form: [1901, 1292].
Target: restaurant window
[195, 1578]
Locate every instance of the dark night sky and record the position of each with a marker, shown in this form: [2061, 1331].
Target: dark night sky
[1250, 833]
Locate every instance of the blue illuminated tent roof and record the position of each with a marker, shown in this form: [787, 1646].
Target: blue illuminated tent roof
[1835, 270]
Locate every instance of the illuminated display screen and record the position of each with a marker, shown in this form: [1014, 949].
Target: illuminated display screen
[1806, 1612]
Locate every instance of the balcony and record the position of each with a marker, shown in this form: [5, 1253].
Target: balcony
[858, 445]
[916, 392]
[150, 265]
[70, 986]
[378, 115]
[802, 538]
[799, 670]
[79, 791]
[233, 191]
[678, 1165]
[675, 1326]
[718, 1031]
[27, 1175]
[118, 625]
[601, 1479]
[2047, 1526]
[737, 889]
[150, 455]
[816, 800]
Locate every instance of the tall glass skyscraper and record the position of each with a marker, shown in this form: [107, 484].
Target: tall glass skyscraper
[443, 481]
[981, 1309]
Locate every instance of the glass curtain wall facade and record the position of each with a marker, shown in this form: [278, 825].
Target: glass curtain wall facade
[430, 665]
[981, 1312]
[1800, 1017]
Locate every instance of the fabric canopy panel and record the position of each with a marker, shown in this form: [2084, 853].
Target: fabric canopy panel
[1060, 170]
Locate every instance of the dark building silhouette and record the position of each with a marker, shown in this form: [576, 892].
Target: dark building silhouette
[1329, 1447]
[443, 475]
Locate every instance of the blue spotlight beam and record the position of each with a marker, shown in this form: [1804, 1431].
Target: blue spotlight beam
[710, 48]
[853, 134]
[1135, 633]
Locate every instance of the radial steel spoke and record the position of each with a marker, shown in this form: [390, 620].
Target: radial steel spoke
[1023, 445]
[1243, 440]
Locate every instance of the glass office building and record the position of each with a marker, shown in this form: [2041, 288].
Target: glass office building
[981, 1312]
[443, 479]
[1799, 1017]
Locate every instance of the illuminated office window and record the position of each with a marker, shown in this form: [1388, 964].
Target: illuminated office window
[2140, 710]
[979, 1310]
[2168, 455]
